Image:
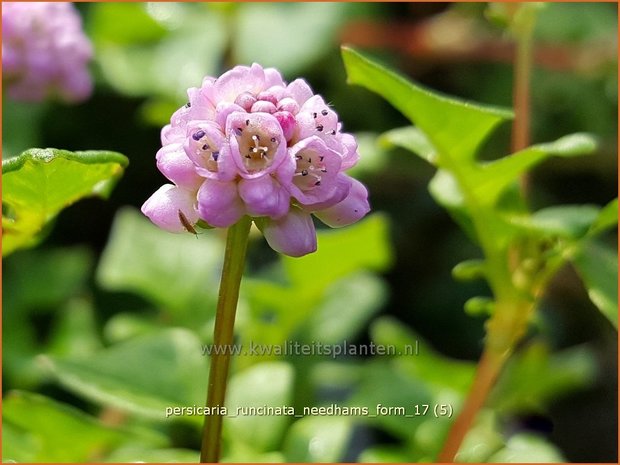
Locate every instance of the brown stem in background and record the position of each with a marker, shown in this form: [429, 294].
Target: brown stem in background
[521, 99]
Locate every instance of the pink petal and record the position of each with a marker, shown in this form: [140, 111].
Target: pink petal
[238, 80]
[350, 154]
[174, 164]
[351, 209]
[305, 188]
[164, 205]
[219, 203]
[264, 196]
[273, 78]
[203, 143]
[299, 90]
[293, 235]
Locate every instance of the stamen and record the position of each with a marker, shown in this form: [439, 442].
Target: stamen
[319, 127]
[198, 135]
[324, 112]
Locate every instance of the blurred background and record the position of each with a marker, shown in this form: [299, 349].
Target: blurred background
[89, 287]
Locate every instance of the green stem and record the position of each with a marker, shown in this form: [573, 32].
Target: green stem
[234, 262]
[512, 310]
[504, 330]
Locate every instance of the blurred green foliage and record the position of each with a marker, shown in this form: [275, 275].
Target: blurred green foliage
[105, 323]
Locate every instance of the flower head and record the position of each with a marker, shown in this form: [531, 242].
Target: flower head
[44, 51]
[247, 143]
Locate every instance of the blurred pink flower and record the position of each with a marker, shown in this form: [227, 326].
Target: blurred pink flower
[44, 52]
[249, 144]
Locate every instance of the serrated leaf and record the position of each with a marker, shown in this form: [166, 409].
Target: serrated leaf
[412, 139]
[49, 431]
[598, 267]
[454, 127]
[39, 183]
[143, 376]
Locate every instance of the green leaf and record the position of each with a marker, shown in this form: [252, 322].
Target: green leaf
[139, 454]
[178, 272]
[315, 27]
[348, 306]
[39, 429]
[143, 50]
[385, 454]
[39, 183]
[427, 364]
[527, 448]
[555, 374]
[317, 439]
[143, 376]
[41, 283]
[412, 139]
[607, 218]
[266, 384]
[446, 191]
[363, 246]
[493, 177]
[377, 386]
[568, 221]
[454, 127]
[598, 267]
[75, 333]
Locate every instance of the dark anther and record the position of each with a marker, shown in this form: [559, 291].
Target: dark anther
[247, 122]
[324, 170]
[314, 115]
[215, 155]
[332, 132]
[273, 139]
[297, 157]
[324, 112]
[205, 147]
[248, 156]
[309, 160]
[321, 157]
[318, 183]
[319, 127]
[198, 135]
[239, 131]
[304, 172]
[188, 104]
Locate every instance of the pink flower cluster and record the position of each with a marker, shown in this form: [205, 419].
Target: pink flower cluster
[249, 144]
[44, 52]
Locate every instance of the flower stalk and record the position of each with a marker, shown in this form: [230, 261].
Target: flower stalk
[232, 271]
